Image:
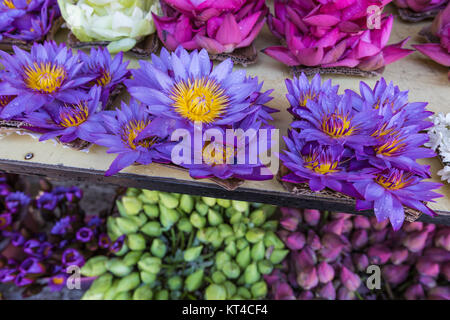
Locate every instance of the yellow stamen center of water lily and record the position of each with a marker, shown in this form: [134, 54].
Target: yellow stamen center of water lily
[9, 4]
[104, 79]
[5, 100]
[130, 132]
[58, 280]
[45, 77]
[383, 131]
[337, 125]
[73, 116]
[391, 145]
[308, 96]
[218, 154]
[321, 166]
[394, 181]
[201, 100]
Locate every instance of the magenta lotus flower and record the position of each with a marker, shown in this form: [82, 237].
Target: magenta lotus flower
[333, 34]
[217, 26]
[420, 5]
[439, 52]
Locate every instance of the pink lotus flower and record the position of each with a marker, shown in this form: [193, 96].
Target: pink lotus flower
[420, 5]
[333, 34]
[439, 52]
[217, 26]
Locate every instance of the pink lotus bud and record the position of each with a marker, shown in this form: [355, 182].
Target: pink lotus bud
[437, 254]
[445, 270]
[415, 241]
[427, 282]
[332, 246]
[274, 277]
[378, 226]
[295, 241]
[348, 226]
[399, 255]
[359, 238]
[442, 238]
[335, 226]
[349, 279]
[307, 278]
[414, 292]
[341, 215]
[361, 222]
[427, 267]
[311, 217]
[325, 272]
[305, 258]
[429, 227]
[413, 226]
[345, 294]
[313, 240]
[439, 293]
[283, 235]
[328, 292]
[395, 274]
[306, 295]
[361, 261]
[378, 236]
[284, 292]
[289, 222]
[379, 254]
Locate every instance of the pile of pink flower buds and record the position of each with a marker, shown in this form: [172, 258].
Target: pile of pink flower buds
[330, 254]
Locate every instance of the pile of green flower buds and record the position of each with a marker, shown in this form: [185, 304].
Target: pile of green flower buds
[184, 247]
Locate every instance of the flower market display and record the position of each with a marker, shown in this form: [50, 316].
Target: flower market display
[122, 24]
[23, 22]
[182, 247]
[363, 145]
[439, 35]
[418, 10]
[440, 142]
[329, 35]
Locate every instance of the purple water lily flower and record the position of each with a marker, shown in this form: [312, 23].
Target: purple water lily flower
[393, 189]
[22, 280]
[186, 88]
[31, 247]
[118, 244]
[57, 282]
[85, 234]
[32, 266]
[17, 239]
[16, 200]
[62, 226]
[49, 72]
[72, 257]
[104, 241]
[108, 71]
[320, 166]
[69, 121]
[47, 201]
[135, 136]
[5, 220]
[70, 194]
[7, 275]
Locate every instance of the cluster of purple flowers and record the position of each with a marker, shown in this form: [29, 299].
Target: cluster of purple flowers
[57, 92]
[363, 145]
[27, 20]
[54, 236]
[330, 253]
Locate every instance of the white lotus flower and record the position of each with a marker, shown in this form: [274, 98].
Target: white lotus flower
[440, 142]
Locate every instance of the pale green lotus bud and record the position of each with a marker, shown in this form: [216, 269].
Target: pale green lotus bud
[147, 201]
[244, 293]
[117, 267]
[225, 231]
[152, 229]
[186, 203]
[168, 217]
[127, 225]
[271, 239]
[254, 235]
[224, 203]
[162, 295]
[113, 230]
[131, 258]
[240, 206]
[184, 225]
[124, 250]
[193, 253]
[94, 267]
[142, 217]
[269, 210]
[251, 274]
[230, 287]
[240, 230]
[129, 282]
[194, 281]
[133, 192]
[221, 258]
[132, 205]
[175, 283]
[121, 209]
[241, 244]
[197, 220]
[201, 235]
[123, 296]
[210, 202]
[217, 243]
[231, 249]
[213, 234]
[201, 208]
[215, 292]
[258, 217]
[259, 289]
[258, 251]
[151, 196]
[99, 287]
[265, 266]
[150, 264]
[231, 270]
[214, 218]
[168, 200]
[112, 291]
[136, 242]
[271, 225]
[236, 297]
[143, 293]
[158, 248]
[243, 257]
[218, 277]
[151, 210]
[148, 277]
[278, 255]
